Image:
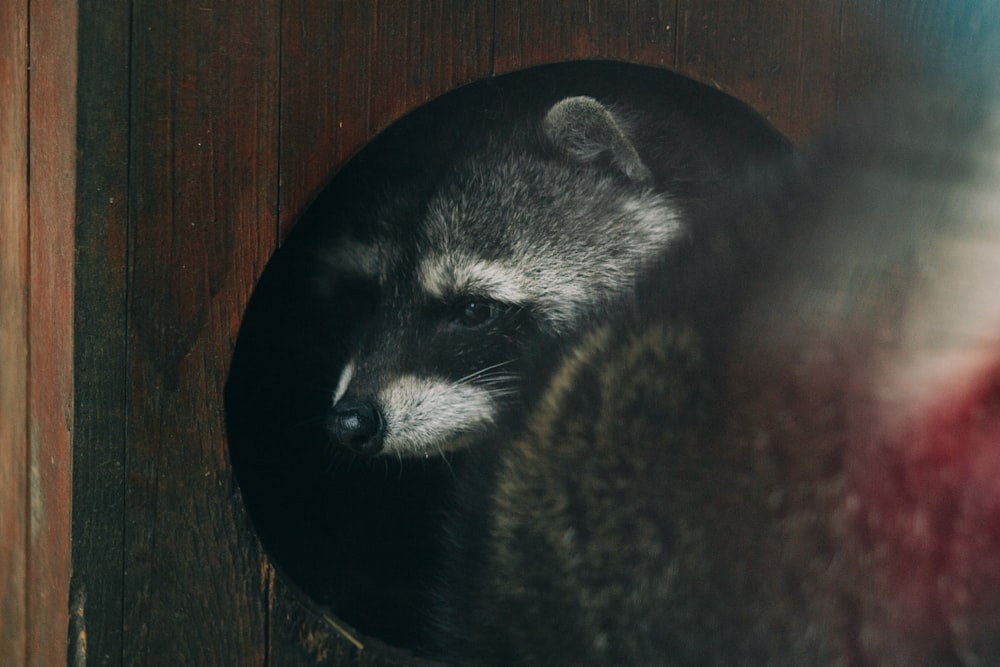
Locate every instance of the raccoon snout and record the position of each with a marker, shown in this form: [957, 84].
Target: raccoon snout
[357, 425]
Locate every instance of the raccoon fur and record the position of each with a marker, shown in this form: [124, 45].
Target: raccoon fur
[545, 213]
[413, 304]
[786, 450]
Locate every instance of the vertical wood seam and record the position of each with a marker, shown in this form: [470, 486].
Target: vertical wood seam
[26, 452]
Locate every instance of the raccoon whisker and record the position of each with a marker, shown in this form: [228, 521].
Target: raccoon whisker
[502, 391]
[498, 383]
[444, 457]
[497, 380]
[482, 371]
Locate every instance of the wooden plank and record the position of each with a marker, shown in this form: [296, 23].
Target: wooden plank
[52, 166]
[304, 635]
[203, 202]
[100, 352]
[325, 79]
[530, 33]
[13, 330]
[778, 57]
[423, 48]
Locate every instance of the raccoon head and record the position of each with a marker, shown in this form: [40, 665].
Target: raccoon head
[428, 374]
[528, 234]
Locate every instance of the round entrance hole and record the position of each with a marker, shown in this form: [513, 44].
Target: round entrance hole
[358, 528]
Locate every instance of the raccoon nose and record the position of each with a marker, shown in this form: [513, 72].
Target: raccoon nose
[356, 425]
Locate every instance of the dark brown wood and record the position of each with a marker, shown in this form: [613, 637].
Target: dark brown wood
[529, 33]
[423, 49]
[100, 326]
[203, 202]
[13, 331]
[779, 57]
[326, 52]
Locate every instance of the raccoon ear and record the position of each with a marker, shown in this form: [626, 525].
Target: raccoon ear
[584, 129]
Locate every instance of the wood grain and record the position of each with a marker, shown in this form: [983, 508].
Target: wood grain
[52, 172]
[13, 331]
[777, 57]
[203, 186]
[422, 49]
[99, 356]
[325, 79]
[530, 33]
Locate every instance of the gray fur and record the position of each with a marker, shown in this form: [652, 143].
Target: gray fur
[585, 129]
[754, 466]
[566, 240]
[558, 238]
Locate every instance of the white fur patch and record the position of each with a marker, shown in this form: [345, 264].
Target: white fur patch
[563, 277]
[365, 260]
[653, 218]
[344, 382]
[442, 276]
[429, 415]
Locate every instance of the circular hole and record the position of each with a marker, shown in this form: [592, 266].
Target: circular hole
[363, 291]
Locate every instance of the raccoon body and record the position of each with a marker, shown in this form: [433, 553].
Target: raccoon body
[786, 451]
[548, 207]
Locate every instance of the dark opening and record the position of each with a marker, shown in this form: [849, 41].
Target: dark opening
[361, 535]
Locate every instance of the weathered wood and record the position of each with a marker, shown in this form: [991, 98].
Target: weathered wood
[13, 331]
[203, 202]
[422, 49]
[303, 634]
[99, 355]
[52, 173]
[778, 57]
[325, 81]
[530, 33]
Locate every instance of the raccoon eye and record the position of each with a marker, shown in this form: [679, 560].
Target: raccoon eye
[476, 312]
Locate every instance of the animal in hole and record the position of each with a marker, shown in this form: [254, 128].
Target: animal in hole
[427, 289]
[543, 216]
[784, 449]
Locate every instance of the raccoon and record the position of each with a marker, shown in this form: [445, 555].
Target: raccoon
[542, 217]
[427, 290]
[785, 450]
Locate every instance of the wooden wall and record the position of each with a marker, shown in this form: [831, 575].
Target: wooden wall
[154, 156]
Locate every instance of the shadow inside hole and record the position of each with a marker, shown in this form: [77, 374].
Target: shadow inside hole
[362, 536]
